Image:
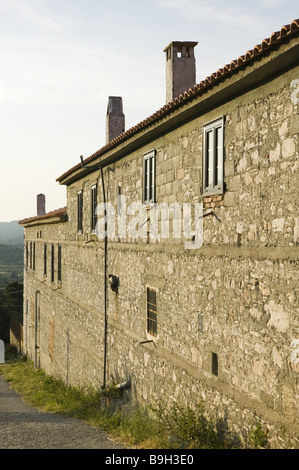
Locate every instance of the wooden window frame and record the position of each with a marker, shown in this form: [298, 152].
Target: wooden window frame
[149, 177]
[213, 157]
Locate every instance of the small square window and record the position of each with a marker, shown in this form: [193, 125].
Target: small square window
[213, 157]
[151, 312]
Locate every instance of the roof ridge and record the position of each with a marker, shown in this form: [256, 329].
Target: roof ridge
[221, 73]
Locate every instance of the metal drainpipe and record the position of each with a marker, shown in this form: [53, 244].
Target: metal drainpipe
[105, 281]
[35, 330]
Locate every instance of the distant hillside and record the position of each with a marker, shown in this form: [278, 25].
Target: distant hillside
[11, 233]
[11, 255]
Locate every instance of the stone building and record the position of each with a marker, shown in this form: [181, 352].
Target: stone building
[188, 289]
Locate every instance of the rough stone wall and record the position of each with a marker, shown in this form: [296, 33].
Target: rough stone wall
[236, 297]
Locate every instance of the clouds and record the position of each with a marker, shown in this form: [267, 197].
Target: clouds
[31, 14]
[230, 13]
[61, 59]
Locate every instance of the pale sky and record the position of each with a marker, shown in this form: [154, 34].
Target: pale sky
[62, 59]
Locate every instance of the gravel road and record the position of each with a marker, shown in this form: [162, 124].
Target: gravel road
[24, 427]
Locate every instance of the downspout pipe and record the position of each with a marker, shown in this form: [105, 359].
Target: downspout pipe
[105, 280]
[35, 329]
[105, 270]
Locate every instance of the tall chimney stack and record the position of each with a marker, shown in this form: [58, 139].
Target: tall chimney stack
[115, 119]
[41, 204]
[180, 68]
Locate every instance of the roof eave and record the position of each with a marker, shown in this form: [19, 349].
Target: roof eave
[44, 219]
[214, 90]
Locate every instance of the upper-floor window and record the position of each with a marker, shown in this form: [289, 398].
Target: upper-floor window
[94, 198]
[52, 262]
[27, 254]
[80, 211]
[45, 259]
[59, 263]
[33, 256]
[149, 171]
[213, 156]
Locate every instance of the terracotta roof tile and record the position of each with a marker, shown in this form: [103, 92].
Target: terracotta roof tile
[56, 213]
[277, 37]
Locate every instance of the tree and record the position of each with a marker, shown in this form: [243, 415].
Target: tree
[11, 303]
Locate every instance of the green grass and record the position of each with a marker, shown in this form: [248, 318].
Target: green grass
[159, 427]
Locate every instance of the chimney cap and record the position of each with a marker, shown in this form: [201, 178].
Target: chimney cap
[41, 204]
[181, 44]
[115, 105]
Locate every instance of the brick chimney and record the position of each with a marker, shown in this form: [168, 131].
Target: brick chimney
[180, 68]
[115, 119]
[41, 204]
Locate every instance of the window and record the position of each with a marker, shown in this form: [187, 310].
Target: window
[151, 311]
[52, 263]
[59, 263]
[27, 254]
[33, 255]
[45, 260]
[149, 170]
[214, 364]
[213, 152]
[80, 212]
[94, 198]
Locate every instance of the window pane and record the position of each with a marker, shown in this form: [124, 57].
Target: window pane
[80, 210]
[151, 312]
[146, 179]
[152, 178]
[59, 262]
[218, 156]
[210, 179]
[212, 160]
[45, 260]
[93, 207]
[149, 177]
[52, 263]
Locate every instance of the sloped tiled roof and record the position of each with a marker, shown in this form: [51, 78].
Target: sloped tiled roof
[58, 213]
[259, 50]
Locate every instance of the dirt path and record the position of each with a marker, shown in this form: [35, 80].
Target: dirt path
[24, 427]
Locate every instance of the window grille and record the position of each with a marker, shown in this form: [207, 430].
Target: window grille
[152, 312]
